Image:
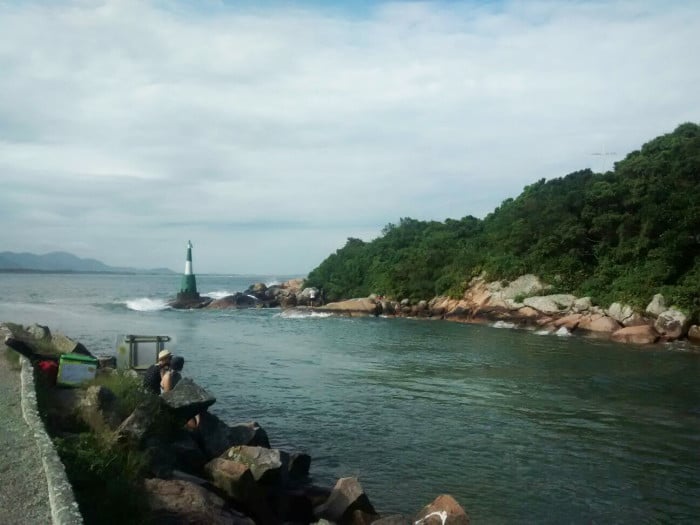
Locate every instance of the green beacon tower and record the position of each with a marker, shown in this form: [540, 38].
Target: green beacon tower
[188, 287]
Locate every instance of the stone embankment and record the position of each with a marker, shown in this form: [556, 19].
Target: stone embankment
[524, 303]
[213, 472]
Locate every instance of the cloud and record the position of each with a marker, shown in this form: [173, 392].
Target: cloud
[253, 128]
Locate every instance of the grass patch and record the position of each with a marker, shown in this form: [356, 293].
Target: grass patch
[106, 475]
[127, 389]
[106, 478]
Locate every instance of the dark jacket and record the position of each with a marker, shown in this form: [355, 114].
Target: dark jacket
[151, 379]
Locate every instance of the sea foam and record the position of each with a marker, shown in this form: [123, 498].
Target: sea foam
[218, 294]
[145, 304]
[302, 314]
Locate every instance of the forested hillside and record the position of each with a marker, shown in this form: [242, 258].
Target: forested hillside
[617, 236]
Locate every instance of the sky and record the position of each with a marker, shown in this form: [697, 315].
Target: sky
[267, 133]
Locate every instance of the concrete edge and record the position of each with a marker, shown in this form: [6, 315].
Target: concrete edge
[64, 508]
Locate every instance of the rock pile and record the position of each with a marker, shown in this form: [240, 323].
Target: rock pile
[230, 474]
[525, 303]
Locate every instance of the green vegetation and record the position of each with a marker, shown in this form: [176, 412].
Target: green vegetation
[106, 474]
[106, 478]
[127, 389]
[617, 236]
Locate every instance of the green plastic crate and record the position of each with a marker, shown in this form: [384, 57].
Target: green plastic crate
[75, 369]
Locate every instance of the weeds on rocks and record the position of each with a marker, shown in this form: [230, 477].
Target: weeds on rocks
[106, 475]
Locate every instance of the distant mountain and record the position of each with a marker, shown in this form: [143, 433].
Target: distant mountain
[62, 262]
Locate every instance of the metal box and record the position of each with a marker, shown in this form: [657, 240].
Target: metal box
[75, 369]
[139, 351]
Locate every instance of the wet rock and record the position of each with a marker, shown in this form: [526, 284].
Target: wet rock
[299, 466]
[237, 300]
[394, 519]
[347, 504]
[360, 306]
[570, 322]
[444, 510]
[641, 335]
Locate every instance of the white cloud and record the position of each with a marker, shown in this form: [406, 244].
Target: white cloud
[259, 129]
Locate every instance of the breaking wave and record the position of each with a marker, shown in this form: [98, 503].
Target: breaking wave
[218, 294]
[145, 304]
[299, 314]
[503, 324]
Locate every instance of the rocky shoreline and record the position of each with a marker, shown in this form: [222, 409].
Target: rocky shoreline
[522, 303]
[217, 473]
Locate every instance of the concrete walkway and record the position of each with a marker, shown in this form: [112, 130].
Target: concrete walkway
[24, 496]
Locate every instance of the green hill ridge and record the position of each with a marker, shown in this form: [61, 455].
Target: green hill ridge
[622, 235]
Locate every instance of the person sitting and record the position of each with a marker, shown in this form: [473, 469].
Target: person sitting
[154, 375]
[172, 376]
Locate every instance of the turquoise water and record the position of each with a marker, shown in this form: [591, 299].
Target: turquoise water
[520, 428]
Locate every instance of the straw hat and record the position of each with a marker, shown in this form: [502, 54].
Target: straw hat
[164, 354]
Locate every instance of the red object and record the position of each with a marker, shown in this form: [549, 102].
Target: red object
[49, 369]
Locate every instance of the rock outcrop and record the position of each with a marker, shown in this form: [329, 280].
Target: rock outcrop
[515, 303]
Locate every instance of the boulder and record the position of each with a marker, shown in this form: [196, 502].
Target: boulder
[657, 305]
[598, 323]
[39, 332]
[694, 334]
[528, 312]
[236, 481]
[672, 324]
[237, 300]
[524, 286]
[188, 454]
[217, 437]
[233, 478]
[106, 361]
[347, 504]
[361, 306]
[394, 519]
[187, 399]
[299, 466]
[388, 307]
[309, 296]
[141, 423]
[97, 407]
[620, 312]
[582, 304]
[65, 345]
[268, 466]
[550, 304]
[444, 510]
[641, 335]
[570, 322]
[177, 501]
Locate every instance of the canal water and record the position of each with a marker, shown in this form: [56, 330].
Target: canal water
[518, 427]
